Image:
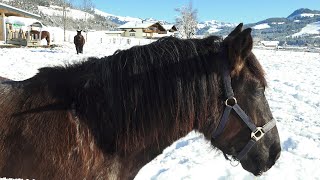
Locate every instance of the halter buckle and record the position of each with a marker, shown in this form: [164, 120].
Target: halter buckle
[230, 102]
[257, 134]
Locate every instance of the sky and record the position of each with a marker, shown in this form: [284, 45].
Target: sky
[234, 11]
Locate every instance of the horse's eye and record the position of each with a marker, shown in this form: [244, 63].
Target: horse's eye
[260, 91]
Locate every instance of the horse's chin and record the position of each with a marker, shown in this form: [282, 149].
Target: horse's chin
[255, 170]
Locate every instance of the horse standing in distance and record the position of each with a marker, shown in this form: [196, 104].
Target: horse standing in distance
[106, 118]
[79, 42]
[44, 35]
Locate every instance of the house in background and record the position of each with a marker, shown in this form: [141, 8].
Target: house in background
[270, 44]
[143, 29]
[171, 29]
[8, 11]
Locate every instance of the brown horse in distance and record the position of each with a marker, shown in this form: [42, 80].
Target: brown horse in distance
[44, 35]
[106, 118]
[79, 42]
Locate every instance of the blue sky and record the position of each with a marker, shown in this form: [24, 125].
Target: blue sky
[235, 11]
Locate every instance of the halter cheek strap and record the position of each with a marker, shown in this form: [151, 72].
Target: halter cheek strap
[231, 104]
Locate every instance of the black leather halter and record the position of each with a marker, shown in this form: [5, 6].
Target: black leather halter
[231, 103]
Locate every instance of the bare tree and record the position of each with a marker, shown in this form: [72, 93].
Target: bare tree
[186, 21]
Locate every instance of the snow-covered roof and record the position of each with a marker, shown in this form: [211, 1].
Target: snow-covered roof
[270, 43]
[17, 11]
[136, 25]
[22, 21]
[168, 26]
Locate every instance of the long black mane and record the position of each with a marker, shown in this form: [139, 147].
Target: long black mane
[137, 96]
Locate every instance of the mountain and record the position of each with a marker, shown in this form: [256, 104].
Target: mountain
[213, 26]
[302, 13]
[302, 27]
[51, 13]
[116, 19]
[120, 20]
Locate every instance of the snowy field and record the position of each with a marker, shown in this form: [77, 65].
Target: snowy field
[293, 93]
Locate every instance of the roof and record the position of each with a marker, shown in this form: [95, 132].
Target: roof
[22, 21]
[12, 11]
[169, 26]
[136, 25]
[270, 43]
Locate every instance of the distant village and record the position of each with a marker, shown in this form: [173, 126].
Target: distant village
[19, 27]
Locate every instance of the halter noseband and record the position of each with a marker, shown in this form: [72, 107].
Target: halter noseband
[231, 103]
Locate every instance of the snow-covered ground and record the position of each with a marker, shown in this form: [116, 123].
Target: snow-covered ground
[293, 93]
[261, 26]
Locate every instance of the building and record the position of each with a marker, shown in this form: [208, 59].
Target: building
[171, 29]
[270, 44]
[9, 11]
[143, 29]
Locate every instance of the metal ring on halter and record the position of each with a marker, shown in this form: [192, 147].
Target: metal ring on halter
[230, 102]
[234, 162]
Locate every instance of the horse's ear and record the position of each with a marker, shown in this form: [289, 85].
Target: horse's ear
[236, 30]
[239, 48]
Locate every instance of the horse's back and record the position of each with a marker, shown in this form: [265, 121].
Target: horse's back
[43, 144]
[19, 154]
[79, 40]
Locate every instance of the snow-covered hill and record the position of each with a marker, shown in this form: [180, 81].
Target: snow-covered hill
[309, 29]
[117, 19]
[303, 13]
[213, 26]
[299, 28]
[70, 13]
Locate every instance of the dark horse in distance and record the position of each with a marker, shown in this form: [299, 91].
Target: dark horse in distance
[44, 35]
[105, 118]
[79, 41]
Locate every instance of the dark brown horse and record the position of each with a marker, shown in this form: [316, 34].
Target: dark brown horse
[79, 42]
[106, 118]
[44, 35]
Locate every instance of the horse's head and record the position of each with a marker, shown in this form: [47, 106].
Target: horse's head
[246, 129]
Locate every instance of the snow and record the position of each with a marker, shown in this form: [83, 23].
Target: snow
[308, 15]
[22, 22]
[214, 26]
[120, 18]
[279, 23]
[17, 9]
[133, 25]
[313, 28]
[71, 13]
[304, 15]
[261, 26]
[293, 94]
[270, 43]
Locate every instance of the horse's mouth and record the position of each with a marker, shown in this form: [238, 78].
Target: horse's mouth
[259, 172]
